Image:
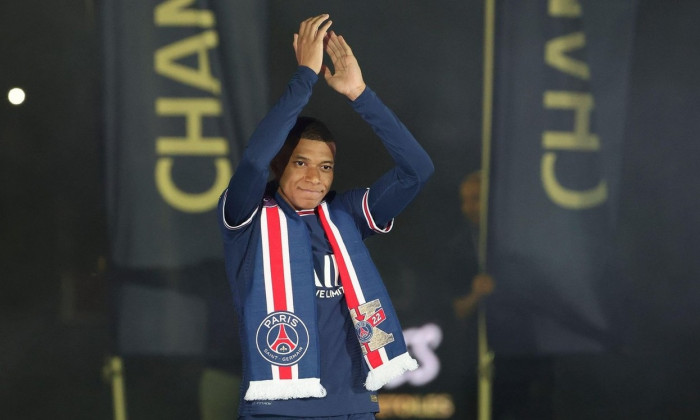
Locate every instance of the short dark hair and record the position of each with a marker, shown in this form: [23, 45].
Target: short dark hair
[305, 128]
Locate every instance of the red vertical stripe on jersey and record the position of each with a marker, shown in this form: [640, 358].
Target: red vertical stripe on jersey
[279, 292]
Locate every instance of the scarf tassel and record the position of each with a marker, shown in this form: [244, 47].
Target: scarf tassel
[394, 368]
[285, 390]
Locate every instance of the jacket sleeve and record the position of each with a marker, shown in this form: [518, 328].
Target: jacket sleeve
[392, 192]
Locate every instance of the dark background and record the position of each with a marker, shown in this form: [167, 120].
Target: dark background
[424, 59]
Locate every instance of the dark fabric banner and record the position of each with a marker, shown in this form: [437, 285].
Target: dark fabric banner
[185, 85]
[561, 70]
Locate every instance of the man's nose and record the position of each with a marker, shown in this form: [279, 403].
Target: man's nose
[313, 174]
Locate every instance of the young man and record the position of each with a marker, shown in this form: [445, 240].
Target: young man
[318, 331]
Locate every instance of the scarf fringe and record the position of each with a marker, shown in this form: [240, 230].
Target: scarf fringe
[395, 367]
[285, 390]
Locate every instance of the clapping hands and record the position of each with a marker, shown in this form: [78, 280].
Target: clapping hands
[347, 76]
[310, 42]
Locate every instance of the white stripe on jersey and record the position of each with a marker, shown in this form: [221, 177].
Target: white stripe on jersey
[330, 276]
[327, 271]
[336, 275]
[370, 220]
[223, 215]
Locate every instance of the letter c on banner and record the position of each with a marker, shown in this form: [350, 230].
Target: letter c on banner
[191, 202]
[570, 199]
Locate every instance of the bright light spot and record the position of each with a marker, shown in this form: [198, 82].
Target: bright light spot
[16, 96]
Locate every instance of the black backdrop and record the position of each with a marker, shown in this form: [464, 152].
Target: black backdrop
[426, 63]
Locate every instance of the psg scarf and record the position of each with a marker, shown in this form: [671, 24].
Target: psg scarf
[280, 329]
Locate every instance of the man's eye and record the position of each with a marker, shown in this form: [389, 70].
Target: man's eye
[299, 163]
[327, 167]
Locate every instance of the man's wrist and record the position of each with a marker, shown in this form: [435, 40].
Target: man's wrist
[357, 92]
[306, 69]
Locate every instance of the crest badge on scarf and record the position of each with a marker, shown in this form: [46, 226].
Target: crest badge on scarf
[282, 338]
[366, 318]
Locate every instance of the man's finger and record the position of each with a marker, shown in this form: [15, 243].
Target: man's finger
[313, 25]
[324, 29]
[334, 50]
[303, 26]
[319, 19]
[344, 45]
[326, 72]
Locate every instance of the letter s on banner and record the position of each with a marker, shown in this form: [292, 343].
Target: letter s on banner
[422, 343]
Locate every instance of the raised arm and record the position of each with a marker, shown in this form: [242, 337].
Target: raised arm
[395, 189]
[247, 185]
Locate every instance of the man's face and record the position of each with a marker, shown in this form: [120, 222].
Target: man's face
[308, 175]
[470, 191]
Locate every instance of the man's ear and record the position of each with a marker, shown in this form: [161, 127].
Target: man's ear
[280, 161]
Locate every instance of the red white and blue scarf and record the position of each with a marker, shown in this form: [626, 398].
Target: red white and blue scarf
[280, 319]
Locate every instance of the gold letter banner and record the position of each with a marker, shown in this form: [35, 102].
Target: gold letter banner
[560, 83]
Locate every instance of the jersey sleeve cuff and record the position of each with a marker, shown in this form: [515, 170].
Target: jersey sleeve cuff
[223, 215]
[305, 73]
[370, 220]
[366, 96]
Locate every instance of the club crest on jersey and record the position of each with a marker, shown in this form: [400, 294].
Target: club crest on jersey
[282, 338]
[366, 318]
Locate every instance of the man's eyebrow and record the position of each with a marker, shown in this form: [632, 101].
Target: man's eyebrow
[302, 157]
